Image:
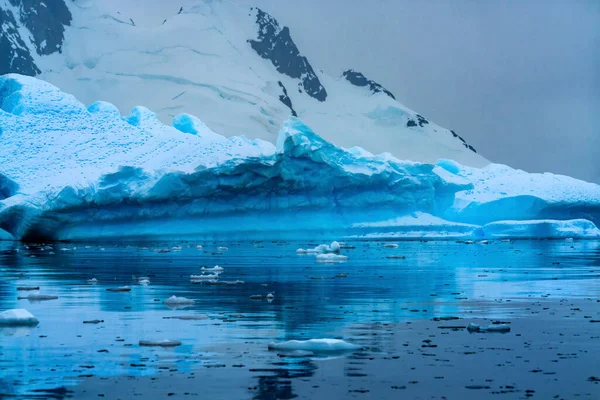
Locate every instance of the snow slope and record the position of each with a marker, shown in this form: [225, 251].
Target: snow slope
[234, 66]
[73, 172]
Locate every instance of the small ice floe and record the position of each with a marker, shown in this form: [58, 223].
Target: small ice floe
[216, 268]
[490, 328]
[468, 242]
[160, 343]
[317, 345]
[204, 277]
[390, 246]
[119, 289]
[331, 258]
[346, 246]
[28, 288]
[222, 283]
[257, 297]
[342, 275]
[178, 301]
[177, 248]
[222, 248]
[484, 242]
[199, 247]
[17, 317]
[270, 297]
[569, 239]
[67, 249]
[93, 281]
[37, 297]
[144, 282]
[162, 250]
[334, 247]
[505, 240]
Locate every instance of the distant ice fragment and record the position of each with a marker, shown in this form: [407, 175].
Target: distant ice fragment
[221, 248]
[390, 246]
[93, 280]
[334, 247]
[174, 300]
[17, 317]
[204, 277]
[216, 268]
[317, 345]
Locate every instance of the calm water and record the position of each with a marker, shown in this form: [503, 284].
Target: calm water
[435, 279]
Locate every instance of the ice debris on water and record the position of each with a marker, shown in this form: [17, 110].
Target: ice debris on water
[334, 247]
[317, 345]
[204, 277]
[93, 280]
[216, 268]
[390, 246]
[490, 328]
[17, 317]
[174, 300]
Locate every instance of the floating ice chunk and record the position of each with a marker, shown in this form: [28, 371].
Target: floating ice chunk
[257, 297]
[199, 247]
[144, 282]
[390, 246]
[317, 345]
[177, 248]
[334, 247]
[222, 283]
[204, 277]
[270, 296]
[17, 317]
[490, 328]
[119, 289]
[221, 248]
[160, 343]
[174, 300]
[38, 297]
[469, 242]
[331, 258]
[216, 268]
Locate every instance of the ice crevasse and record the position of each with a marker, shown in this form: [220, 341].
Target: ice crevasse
[70, 172]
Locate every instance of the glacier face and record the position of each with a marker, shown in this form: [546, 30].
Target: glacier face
[73, 172]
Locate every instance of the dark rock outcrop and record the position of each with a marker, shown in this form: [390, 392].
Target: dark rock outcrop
[358, 79]
[275, 44]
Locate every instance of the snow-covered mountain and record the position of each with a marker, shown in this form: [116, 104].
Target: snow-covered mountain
[68, 171]
[231, 64]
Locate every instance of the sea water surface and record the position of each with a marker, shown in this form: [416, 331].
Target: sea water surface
[360, 301]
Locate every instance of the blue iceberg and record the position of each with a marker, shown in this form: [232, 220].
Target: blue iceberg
[70, 172]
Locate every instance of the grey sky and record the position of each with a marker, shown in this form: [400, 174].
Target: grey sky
[520, 80]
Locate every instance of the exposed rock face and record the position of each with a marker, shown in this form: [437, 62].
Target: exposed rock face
[358, 79]
[275, 43]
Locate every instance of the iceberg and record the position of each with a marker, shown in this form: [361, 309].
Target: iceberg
[17, 317]
[70, 172]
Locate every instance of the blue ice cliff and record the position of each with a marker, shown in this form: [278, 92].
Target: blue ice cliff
[70, 172]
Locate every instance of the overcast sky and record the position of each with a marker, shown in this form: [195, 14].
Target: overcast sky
[520, 80]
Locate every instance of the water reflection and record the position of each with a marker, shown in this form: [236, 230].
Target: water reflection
[356, 299]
